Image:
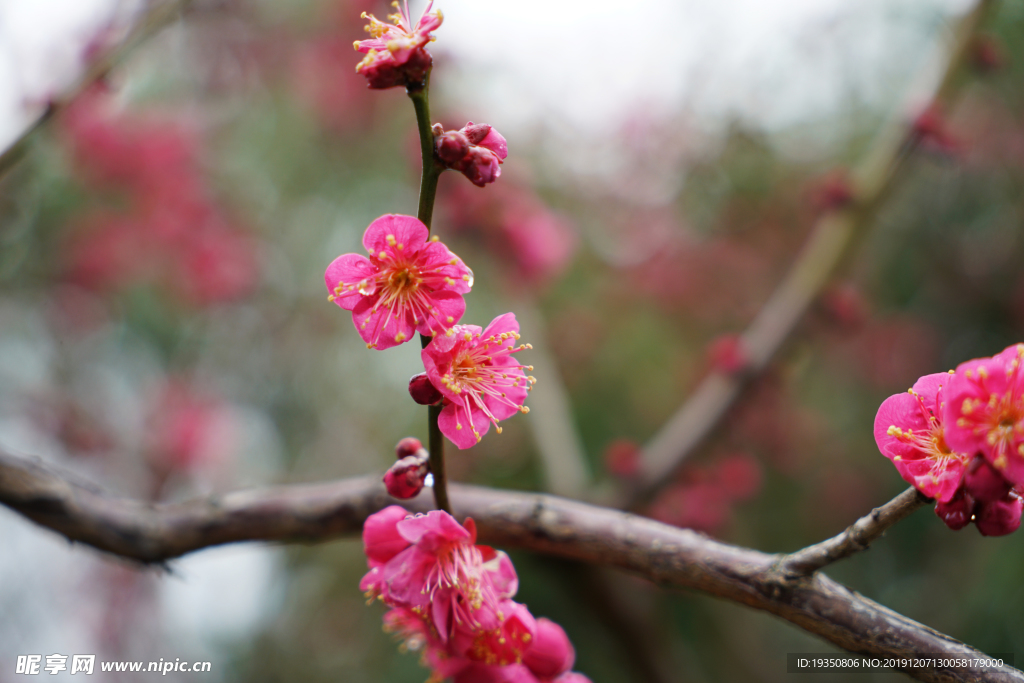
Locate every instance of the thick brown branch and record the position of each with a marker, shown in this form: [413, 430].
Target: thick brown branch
[858, 536]
[830, 241]
[546, 524]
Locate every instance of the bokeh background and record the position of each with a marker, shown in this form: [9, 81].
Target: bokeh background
[165, 331]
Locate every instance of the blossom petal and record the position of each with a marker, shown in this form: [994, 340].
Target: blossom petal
[984, 411]
[457, 428]
[902, 411]
[378, 326]
[405, 230]
[495, 142]
[381, 538]
[503, 574]
[349, 278]
[503, 323]
[436, 524]
[448, 310]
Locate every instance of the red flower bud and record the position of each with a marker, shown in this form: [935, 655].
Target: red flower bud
[1000, 517]
[476, 151]
[408, 446]
[406, 477]
[957, 512]
[481, 166]
[452, 146]
[728, 355]
[422, 391]
[476, 132]
[984, 483]
[551, 653]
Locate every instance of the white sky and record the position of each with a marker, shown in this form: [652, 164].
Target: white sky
[595, 61]
[590, 63]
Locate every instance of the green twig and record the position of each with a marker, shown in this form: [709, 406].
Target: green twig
[428, 191]
[431, 168]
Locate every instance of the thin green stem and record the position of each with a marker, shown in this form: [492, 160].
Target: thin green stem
[428, 191]
[431, 168]
[437, 461]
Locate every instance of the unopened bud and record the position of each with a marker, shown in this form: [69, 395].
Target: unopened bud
[728, 354]
[422, 391]
[984, 483]
[1000, 517]
[408, 446]
[406, 477]
[551, 653]
[452, 147]
[490, 139]
[476, 132]
[957, 512]
[481, 166]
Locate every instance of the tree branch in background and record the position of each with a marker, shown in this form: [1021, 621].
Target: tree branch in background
[551, 421]
[664, 554]
[156, 15]
[831, 239]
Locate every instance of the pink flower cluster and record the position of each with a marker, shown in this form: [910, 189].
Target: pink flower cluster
[396, 54]
[410, 284]
[477, 151]
[959, 438]
[167, 232]
[452, 600]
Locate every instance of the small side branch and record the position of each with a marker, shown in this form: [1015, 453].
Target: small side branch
[858, 536]
[831, 240]
[664, 554]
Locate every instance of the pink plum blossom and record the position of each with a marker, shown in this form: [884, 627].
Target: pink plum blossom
[984, 411]
[477, 151]
[396, 54]
[481, 381]
[909, 430]
[452, 600]
[405, 284]
[441, 570]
